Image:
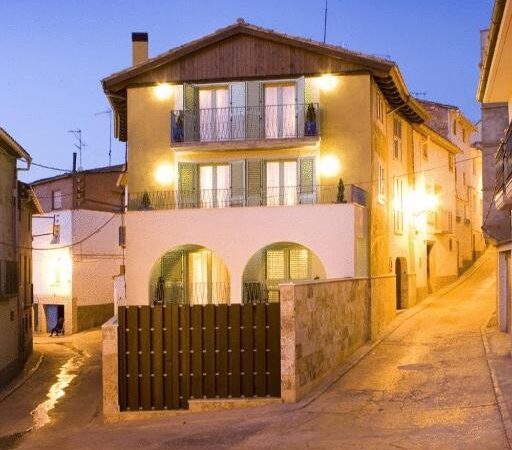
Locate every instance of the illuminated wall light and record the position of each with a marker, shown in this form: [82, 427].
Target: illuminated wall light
[164, 174]
[329, 166]
[327, 82]
[163, 91]
[421, 202]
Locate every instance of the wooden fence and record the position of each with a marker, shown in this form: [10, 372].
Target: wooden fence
[171, 354]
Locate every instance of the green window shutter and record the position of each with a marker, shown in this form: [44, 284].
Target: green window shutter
[254, 182]
[237, 171]
[191, 106]
[187, 184]
[237, 110]
[307, 179]
[254, 119]
[300, 108]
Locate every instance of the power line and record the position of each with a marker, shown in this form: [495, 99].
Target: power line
[50, 167]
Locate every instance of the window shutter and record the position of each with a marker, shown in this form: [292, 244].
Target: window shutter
[237, 110]
[187, 184]
[254, 119]
[191, 106]
[300, 264]
[237, 170]
[254, 182]
[299, 105]
[307, 179]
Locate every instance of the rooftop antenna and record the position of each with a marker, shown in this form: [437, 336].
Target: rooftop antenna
[79, 144]
[325, 21]
[419, 94]
[109, 112]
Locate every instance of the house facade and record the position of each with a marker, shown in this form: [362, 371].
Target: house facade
[76, 248]
[495, 94]
[17, 204]
[256, 159]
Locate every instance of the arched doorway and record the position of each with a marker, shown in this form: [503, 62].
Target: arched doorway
[402, 287]
[189, 274]
[275, 264]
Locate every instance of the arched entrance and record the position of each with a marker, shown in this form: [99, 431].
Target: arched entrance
[275, 264]
[402, 287]
[189, 274]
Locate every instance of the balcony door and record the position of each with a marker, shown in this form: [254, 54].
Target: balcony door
[281, 183]
[214, 186]
[280, 111]
[214, 114]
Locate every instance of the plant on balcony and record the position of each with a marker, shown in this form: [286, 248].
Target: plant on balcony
[310, 126]
[145, 202]
[340, 196]
[178, 126]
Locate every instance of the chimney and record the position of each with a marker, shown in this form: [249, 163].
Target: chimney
[139, 48]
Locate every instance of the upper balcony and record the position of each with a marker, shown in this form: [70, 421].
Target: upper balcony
[244, 127]
[503, 164]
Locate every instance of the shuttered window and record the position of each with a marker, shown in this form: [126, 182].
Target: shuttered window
[275, 265]
[293, 263]
[299, 264]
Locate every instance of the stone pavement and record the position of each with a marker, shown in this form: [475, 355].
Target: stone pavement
[427, 385]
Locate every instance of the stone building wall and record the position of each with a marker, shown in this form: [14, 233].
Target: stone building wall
[322, 323]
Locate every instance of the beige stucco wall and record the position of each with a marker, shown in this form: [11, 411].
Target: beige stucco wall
[236, 234]
[322, 323]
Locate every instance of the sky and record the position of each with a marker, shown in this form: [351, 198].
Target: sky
[54, 54]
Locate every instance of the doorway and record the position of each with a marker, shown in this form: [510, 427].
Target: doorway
[53, 314]
[430, 283]
[401, 282]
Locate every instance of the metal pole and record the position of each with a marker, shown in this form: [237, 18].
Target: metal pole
[325, 21]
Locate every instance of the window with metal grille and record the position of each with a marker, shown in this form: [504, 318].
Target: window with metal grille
[398, 206]
[56, 200]
[275, 265]
[381, 195]
[299, 264]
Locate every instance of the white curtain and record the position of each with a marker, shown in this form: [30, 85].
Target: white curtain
[205, 112]
[206, 186]
[288, 112]
[214, 114]
[273, 183]
[290, 182]
[271, 129]
[280, 120]
[222, 123]
[199, 277]
[223, 186]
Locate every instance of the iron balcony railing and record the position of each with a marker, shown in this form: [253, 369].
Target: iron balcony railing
[225, 198]
[260, 291]
[503, 160]
[245, 123]
[190, 293]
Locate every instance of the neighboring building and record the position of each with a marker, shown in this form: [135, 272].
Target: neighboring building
[495, 94]
[236, 146]
[17, 204]
[76, 248]
[453, 125]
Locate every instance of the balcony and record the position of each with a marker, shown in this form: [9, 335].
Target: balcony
[228, 198]
[503, 163]
[231, 128]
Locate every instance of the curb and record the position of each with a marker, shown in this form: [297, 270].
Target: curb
[25, 378]
[500, 400]
[324, 385]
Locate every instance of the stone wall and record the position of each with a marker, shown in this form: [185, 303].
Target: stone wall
[322, 323]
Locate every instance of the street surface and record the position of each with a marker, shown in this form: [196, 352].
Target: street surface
[426, 386]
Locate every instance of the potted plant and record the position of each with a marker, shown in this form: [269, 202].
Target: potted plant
[311, 120]
[340, 195]
[145, 202]
[177, 129]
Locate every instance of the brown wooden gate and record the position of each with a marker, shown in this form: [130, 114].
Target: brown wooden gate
[171, 354]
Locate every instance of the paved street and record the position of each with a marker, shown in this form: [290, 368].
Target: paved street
[426, 386]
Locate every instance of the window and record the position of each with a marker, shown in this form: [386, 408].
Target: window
[379, 108]
[280, 111]
[214, 119]
[451, 162]
[122, 235]
[450, 244]
[464, 178]
[454, 127]
[398, 206]
[56, 200]
[463, 135]
[397, 138]
[381, 187]
[293, 263]
[214, 185]
[56, 234]
[281, 183]
[424, 148]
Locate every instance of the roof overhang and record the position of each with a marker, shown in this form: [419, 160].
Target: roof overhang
[385, 72]
[438, 138]
[496, 70]
[8, 143]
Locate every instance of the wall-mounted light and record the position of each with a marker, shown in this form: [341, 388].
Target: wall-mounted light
[420, 202]
[164, 174]
[329, 166]
[163, 91]
[327, 82]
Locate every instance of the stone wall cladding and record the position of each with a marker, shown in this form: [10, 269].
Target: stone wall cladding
[322, 323]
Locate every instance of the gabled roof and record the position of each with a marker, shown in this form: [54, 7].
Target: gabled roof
[107, 169]
[385, 72]
[440, 123]
[8, 143]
